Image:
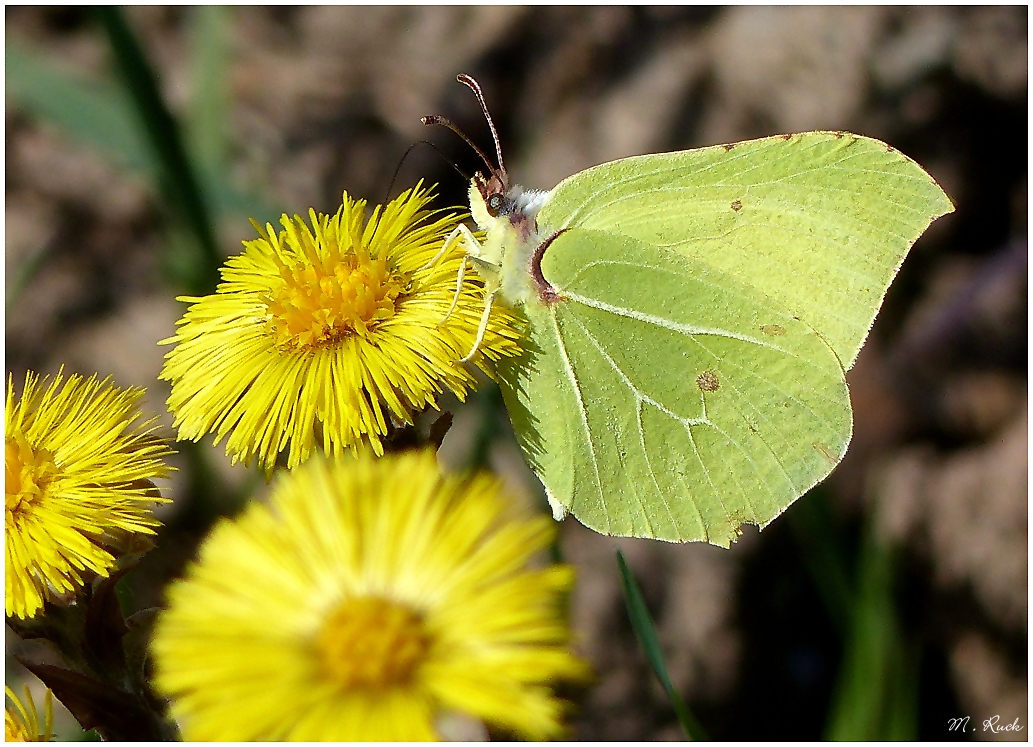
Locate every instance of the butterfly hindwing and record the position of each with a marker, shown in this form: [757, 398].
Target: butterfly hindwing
[662, 398]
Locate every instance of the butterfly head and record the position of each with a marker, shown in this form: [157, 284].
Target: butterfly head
[493, 191]
[505, 213]
[493, 201]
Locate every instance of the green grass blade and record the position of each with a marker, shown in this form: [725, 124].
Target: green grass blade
[875, 696]
[98, 114]
[902, 711]
[817, 538]
[95, 113]
[207, 134]
[209, 107]
[178, 177]
[645, 631]
[23, 273]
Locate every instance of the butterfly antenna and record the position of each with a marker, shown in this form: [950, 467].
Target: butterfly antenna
[410, 149]
[474, 86]
[434, 119]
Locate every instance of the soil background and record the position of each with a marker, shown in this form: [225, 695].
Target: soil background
[308, 102]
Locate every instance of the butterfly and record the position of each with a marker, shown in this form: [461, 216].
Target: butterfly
[690, 320]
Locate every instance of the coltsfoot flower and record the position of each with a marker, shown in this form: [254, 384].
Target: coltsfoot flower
[320, 333]
[79, 471]
[369, 597]
[21, 719]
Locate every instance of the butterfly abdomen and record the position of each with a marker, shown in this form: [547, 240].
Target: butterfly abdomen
[511, 239]
[518, 284]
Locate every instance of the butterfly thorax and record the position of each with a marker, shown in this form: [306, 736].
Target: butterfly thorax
[508, 218]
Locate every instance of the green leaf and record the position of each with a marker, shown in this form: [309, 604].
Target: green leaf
[645, 631]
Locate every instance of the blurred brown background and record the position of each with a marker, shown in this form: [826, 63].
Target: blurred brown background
[283, 108]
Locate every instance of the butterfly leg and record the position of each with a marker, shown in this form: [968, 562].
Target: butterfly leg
[473, 246]
[459, 289]
[456, 233]
[486, 270]
[473, 252]
[482, 327]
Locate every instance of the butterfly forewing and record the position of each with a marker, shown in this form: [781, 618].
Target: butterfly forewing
[818, 222]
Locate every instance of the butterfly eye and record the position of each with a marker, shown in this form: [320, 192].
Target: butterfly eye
[494, 203]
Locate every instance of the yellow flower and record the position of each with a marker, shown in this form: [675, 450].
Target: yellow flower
[319, 334]
[370, 597]
[78, 484]
[21, 720]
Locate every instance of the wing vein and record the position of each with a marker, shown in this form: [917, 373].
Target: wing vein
[683, 329]
[584, 418]
[649, 466]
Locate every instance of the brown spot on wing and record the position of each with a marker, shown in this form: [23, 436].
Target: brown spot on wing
[728, 146]
[826, 452]
[737, 205]
[736, 518]
[787, 136]
[707, 381]
[773, 330]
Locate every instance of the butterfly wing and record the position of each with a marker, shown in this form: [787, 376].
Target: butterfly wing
[820, 221]
[663, 398]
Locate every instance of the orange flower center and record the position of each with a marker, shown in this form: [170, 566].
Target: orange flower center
[28, 471]
[371, 642]
[341, 294]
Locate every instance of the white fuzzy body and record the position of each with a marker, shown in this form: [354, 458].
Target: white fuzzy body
[504, 258]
